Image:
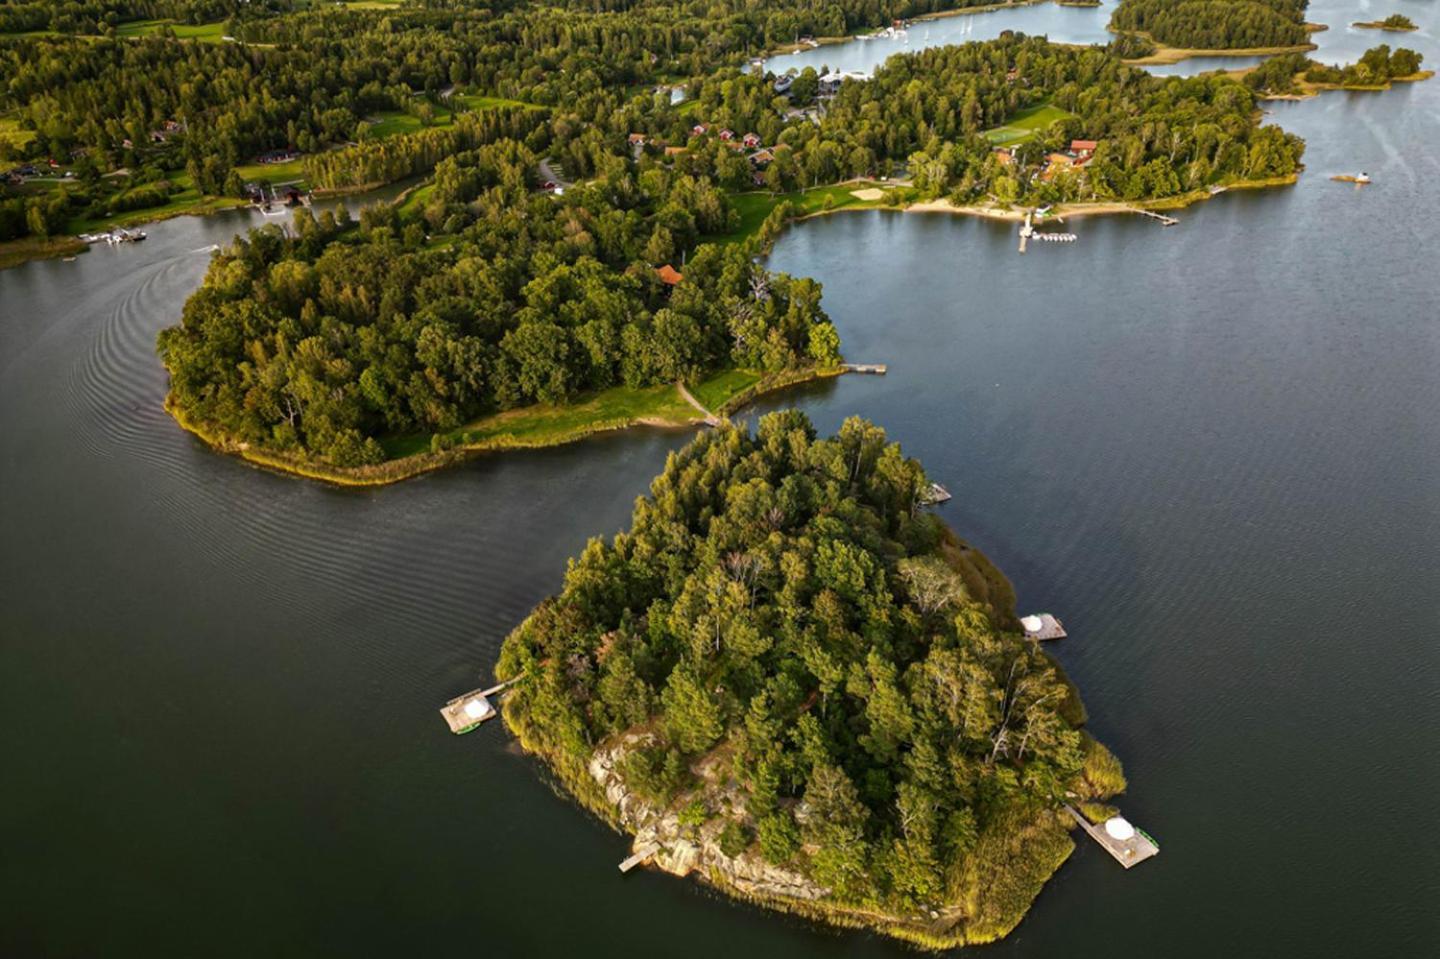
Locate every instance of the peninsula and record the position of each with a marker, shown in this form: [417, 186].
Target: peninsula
[792, 681]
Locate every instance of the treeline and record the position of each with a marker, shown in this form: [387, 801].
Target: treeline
[1158, 136]
[1377, 66]
[102, 16]
[1215, 24]
[321, 344]
[378, 162]
[784, 601]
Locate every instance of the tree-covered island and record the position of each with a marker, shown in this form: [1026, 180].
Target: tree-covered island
[1396, 23]
[799, 685]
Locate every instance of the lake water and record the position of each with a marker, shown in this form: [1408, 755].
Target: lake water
[1212, 449]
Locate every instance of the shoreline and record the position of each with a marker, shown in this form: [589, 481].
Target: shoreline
[1097, 208]
[1310, 90]
[418, 464]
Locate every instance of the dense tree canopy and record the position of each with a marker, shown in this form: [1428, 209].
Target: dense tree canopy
[786, 601]
[1215, 24]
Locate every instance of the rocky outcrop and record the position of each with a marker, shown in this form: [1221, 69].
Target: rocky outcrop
[682, 850]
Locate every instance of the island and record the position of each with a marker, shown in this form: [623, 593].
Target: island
[790, 680]
[1168, 31]
[1396, 23]
[1296, 77]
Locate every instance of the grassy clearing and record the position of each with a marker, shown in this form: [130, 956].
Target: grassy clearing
[11, 132]
[205, 32]
[755, 207]
[187, 199]
[1026, 125]
[717, 391]
[273, 172]
[476, 101]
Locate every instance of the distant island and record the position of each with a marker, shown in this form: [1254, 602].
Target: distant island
[1396, 22]
[791, 680]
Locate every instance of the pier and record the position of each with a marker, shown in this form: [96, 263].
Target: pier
[935, 494]
[1126, 843]
[1042, 626]
[468, 710]
[875, 369]
[1167, 220]
[640, 856]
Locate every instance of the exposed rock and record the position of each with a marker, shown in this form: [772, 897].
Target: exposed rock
[681, 850]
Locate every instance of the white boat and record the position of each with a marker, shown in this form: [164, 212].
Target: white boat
[1363, 178]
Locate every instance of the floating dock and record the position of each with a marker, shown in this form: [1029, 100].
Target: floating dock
[876, 369]
[468, 710]
[1126, 843]
[936, 494]
[1043, 626]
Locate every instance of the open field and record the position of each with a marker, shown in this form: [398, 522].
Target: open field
[205, 32]
[755, 207]
[1026, 125]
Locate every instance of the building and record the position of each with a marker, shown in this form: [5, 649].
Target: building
[727, 135]
[783, 84]
[830, 83]
[762, 159]
[1083, 148]
[1005, 157]
[638, 139]
[751, 141]
[699, 130]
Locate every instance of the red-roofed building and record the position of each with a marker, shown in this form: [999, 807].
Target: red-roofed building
[751, 140]
[668, 274]
[727, 135]
[699, 130]
[1083, 148]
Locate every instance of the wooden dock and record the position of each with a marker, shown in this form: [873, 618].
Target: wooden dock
[468, 710]
[1043, 626]
[641, 854]
[1126, 843]
[875, 369]
[1167, 220]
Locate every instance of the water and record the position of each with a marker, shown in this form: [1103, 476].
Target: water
[1212, 449]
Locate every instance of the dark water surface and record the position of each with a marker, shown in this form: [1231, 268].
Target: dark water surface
[1214, 450]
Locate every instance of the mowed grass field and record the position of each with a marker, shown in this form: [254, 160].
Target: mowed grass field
[205, 32]
[755, 207]
[1026, 124]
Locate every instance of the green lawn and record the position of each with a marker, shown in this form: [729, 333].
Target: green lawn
[205, 32]
[715, 392]
[755, 207]
[186, 199]
[395, 122]
[476, 101]
[619, 406]
[1026, 124]
[273, 172]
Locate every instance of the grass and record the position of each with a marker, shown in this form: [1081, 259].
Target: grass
[15, 252]
[476, 101]
[205, 32]
[719, 390]
[13, 133]
[186, 199]
[273, 172]
[1026, 125]
[755, 207]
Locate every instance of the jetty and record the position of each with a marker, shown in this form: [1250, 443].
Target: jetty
[935, 494]
[1125, 842]
[1042, 626]
[875, 369]
[1167, 220]
[640, 856]
[468, 710]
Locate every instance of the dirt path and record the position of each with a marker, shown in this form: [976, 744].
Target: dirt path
[710, 418]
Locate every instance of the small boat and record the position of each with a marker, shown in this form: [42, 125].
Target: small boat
[1363, 177]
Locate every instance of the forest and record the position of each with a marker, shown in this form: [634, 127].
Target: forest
[323, 343]
[806, 665]
[1215, 24]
